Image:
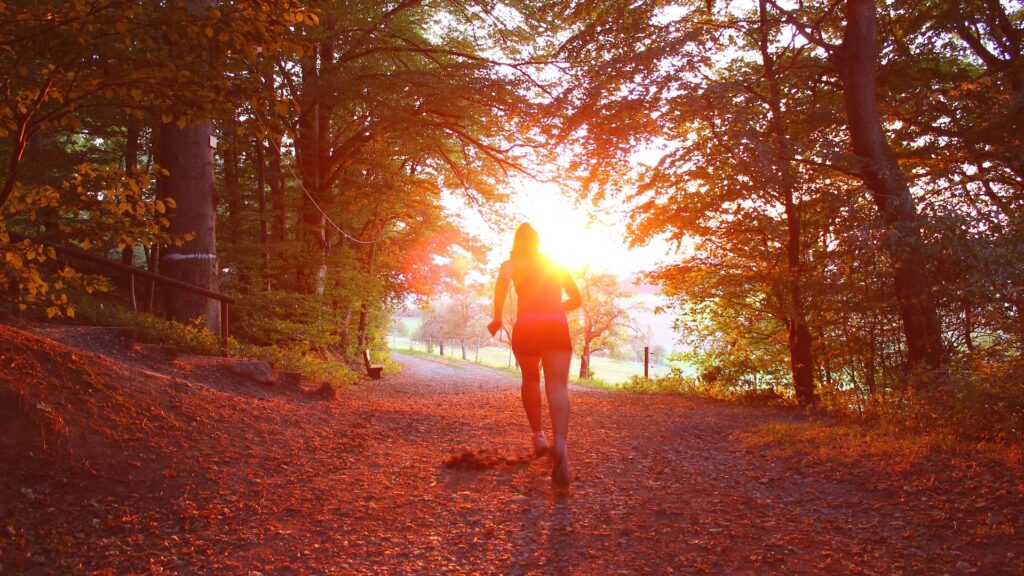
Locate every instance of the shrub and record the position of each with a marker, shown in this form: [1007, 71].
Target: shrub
[100, 206]
[675, 382]
[297, 356]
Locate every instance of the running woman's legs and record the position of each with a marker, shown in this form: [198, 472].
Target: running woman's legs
[556, 384]
[530, 389]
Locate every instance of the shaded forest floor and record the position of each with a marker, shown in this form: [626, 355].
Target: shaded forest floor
[118, 461]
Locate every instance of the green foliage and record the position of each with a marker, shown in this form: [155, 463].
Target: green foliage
[282, 318]
[982, 401]
[750, 123]
[338, 148]
[299, 358]
[194, 339]
[439, 100]
[100, 207]
[58, 72]
[188, 338]
[677, 382]
[674, 382]
[603, 320]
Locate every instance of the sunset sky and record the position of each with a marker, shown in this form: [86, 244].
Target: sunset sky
[577, 236]
[573, 235]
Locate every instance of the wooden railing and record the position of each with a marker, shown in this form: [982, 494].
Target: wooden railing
[225, 301]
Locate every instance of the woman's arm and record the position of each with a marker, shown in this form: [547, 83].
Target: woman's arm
[500, 293]
[569, 285]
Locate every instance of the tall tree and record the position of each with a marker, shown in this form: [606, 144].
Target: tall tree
[603, 316]
[858, 62]
[186, 155]
[801, 358]
[432, 100]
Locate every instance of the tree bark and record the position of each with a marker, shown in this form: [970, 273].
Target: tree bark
[261, 192]
[188, 157]
[364, 310]
[131, 162]
[278, 200]
[346, 325]
[801, 358]
[311, 144]
[153, 265]
[968, 325]
[888, 186]
[585, 361]
[231, 189]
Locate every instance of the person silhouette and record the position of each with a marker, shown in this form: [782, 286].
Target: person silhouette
[540, 337]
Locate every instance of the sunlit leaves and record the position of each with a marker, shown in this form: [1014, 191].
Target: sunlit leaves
[106, 54]
[101, 208]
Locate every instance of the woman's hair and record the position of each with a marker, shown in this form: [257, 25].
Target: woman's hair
[526, 242]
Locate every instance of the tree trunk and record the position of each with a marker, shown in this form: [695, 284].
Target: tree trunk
[889, 190]
[870, 362]
[585, 361]
[364, 310]
[801, 359]
[231, 191]
[22, 133]
[188, 157]
[131, 162]
[131, 145]
[314, 159]
[441, 347]
[275, 177]
[1018, 307]
[463, 344]
[153, 265]
[261, 191]
[968, 325]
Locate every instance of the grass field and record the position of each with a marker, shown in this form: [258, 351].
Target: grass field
[606, 370]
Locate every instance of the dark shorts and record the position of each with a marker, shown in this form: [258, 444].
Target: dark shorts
[536, 337]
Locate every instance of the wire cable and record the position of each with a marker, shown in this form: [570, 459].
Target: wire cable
[310, 196]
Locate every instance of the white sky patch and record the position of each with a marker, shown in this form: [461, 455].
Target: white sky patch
[573, 235]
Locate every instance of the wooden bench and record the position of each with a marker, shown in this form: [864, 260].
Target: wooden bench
[372, 370]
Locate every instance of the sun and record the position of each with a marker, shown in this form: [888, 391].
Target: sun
[573, 236]
[569, 236]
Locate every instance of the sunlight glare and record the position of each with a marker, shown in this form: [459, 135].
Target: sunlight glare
[569, 235]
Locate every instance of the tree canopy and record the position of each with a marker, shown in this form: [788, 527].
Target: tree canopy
[843, 182]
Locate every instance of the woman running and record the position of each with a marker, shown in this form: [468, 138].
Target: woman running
[540, 337]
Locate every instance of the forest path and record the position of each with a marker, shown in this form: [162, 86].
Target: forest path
[662, 484]
[232, 478]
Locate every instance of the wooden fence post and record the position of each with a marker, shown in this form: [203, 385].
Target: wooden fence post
[647, 361]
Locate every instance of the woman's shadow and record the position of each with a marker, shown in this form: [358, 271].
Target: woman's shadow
[561, 535]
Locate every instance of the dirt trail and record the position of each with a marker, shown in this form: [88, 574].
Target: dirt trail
[257, 481]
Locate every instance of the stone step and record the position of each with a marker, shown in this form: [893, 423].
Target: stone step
[162, 351]
[289, 379]
[254, 370]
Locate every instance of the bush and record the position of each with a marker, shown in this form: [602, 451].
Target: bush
[285, 319]
[100, 206]
[981, 399]
[675, 382]
[296, 357]
[193, 339]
